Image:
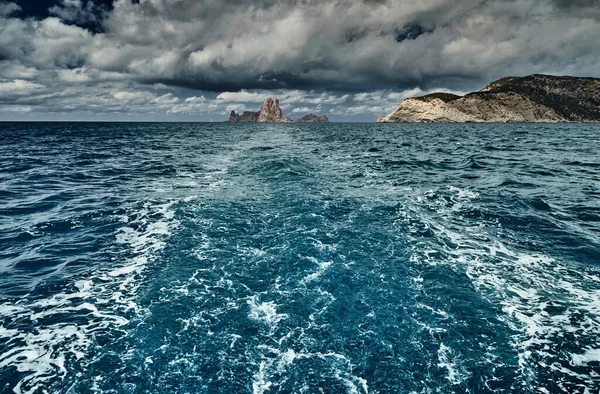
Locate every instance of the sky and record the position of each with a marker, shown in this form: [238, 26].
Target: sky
[196, 60]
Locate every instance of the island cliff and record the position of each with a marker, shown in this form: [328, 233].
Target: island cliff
[535, 98]
[270, 112]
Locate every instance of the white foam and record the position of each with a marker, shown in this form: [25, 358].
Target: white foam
[234, 339]
[137, 266]
[448, 361]
[277, 362]
[464, 193]
[265, 312]
[100, 303]
[591, 355]
[322, 267]
[522, 283]
[322, 246]
[6, 333]
[260, 383]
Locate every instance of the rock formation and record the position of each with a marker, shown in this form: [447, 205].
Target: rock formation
[247, 116]
[536, 98]
[269, 112]
[311, 118]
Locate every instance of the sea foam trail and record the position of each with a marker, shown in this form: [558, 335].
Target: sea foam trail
[331, 258]
[544, 300]
[47, 339]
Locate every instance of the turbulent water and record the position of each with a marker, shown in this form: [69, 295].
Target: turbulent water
[338, 258]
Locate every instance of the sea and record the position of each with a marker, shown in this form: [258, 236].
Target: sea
[299, 258]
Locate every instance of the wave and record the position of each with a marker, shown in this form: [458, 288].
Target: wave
[42, 339]
[543, 299]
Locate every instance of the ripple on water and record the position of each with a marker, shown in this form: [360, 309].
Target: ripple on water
[298, 258]
[42, 339]
[530, 288]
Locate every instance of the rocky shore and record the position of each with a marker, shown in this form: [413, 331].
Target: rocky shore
[535, 98]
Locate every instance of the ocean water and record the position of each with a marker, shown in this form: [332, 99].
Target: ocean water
[299, 258]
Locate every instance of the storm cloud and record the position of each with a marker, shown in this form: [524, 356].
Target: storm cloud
[186, 57]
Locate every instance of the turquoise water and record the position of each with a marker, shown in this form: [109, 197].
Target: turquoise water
[335, 258]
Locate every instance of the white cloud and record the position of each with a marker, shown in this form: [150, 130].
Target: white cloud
[242, 97]
[75, 11]
[16, 109]
[7, 8]
[167, 98]
[195, 104]
[303, 110]
[18, 86]
[195, 100]
[134, 96]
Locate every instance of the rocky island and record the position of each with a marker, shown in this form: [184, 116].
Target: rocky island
[270, 112]
[535, 98]
[311, 118]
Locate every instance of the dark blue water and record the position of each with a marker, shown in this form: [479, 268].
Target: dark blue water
[340, 258]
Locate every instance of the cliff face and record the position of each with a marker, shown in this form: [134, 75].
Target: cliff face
[536, 98]
[247, 116]
[311, 118]
[269, 112]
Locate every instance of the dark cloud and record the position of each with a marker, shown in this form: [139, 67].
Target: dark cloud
[41, 8]
[577, 3]
[410, 32]
[343, 46]
[88, 14]
[579, 8]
